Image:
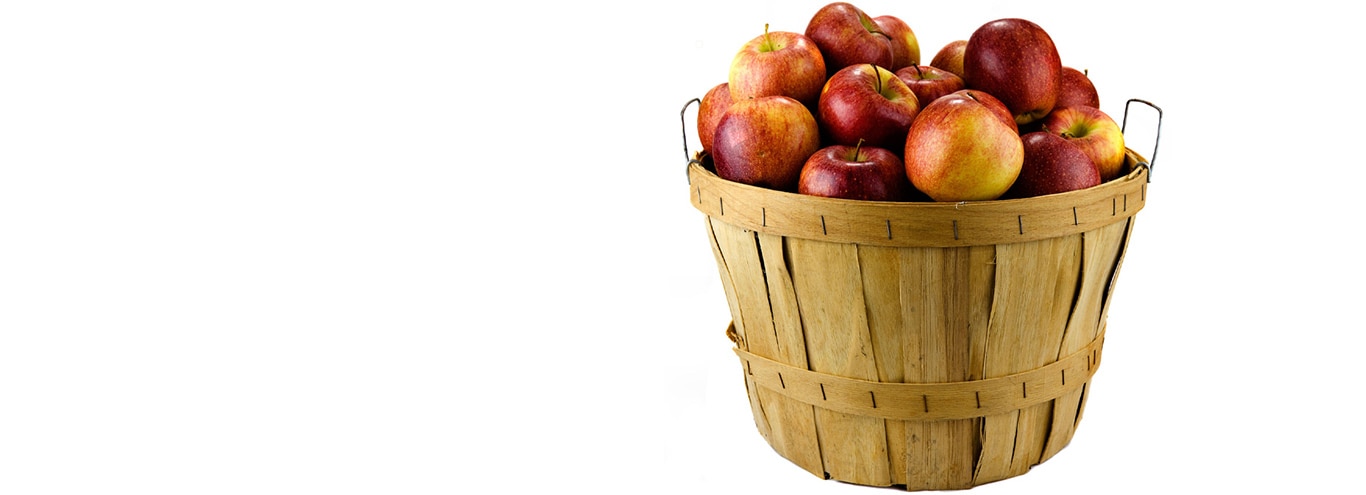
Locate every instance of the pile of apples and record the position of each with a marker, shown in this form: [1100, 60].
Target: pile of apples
[848, 110]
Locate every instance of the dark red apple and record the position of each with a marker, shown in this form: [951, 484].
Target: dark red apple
[1014, 60]
[929, 82]
[855, 172]
[714, 105]
[1076, 89]
[765, 141]
[848, 36]
[905, 47]
[867, 103]
[1052, 165]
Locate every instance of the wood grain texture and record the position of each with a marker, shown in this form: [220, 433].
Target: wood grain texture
[829, 288]
[737, 329]
[883, 294]
[945, 289]
[919, 224]
[789, 426]
[1100, 258]
[1035, 285]
[796, 439]
[930, 345]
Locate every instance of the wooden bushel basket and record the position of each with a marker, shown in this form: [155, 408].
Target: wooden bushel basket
[934, 346]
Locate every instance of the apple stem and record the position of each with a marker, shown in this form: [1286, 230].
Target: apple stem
[918, 74]
[858, 147]
[878, 77]
[767, 41]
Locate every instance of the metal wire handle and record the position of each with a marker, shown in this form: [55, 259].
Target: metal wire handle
[682, 116]
[1156, 138]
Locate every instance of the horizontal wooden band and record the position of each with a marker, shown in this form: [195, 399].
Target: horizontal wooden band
[926, 401]
[920, 224]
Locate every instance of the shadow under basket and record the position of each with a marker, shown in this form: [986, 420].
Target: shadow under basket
[934, 346]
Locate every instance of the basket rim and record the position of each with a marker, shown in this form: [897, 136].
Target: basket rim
[920, 224]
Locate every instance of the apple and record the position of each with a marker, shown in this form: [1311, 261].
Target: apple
[1076, 88]
[778, 63]
[855, 172]
[1052, 165]
[961, 149]
[869, 103]
[929, 82]
[1094, 132]
[765, 141]
[950, 57]
[985, 99]
[709, 112]
[1015, 61]
[905, 47]
[848, 36]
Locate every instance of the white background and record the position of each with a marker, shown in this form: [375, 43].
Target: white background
[419, 247]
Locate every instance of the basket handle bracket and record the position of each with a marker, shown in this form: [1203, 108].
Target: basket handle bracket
[682, 116]
[1156, 136]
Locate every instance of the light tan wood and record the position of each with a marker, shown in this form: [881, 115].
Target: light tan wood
[925, 401]
[829, 288]
[797, 439]
[1035, 284]
[882, 278]
[946, 289]
[737, 330]
[769, 326]
[972, 223]
[928, 345]
[1101, 249]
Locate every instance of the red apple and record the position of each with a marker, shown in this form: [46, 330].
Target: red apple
[778, 63]
[905, 47]
[848, 36]
[1076, 88]
[709, 112]
[985, 99]
[765, 141]
[929, 82]
[867, 103]
[960, 149]
[1015, 61]
[1094, 132]
[1052, 165]
[950, 57]
[855, 172]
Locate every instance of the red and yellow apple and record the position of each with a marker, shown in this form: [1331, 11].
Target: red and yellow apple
[905, 46]
[866, 103]
[950, 57]
[778, 63]
[1094, 132]
[960, 149]
[765, 141]
[709, 112]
